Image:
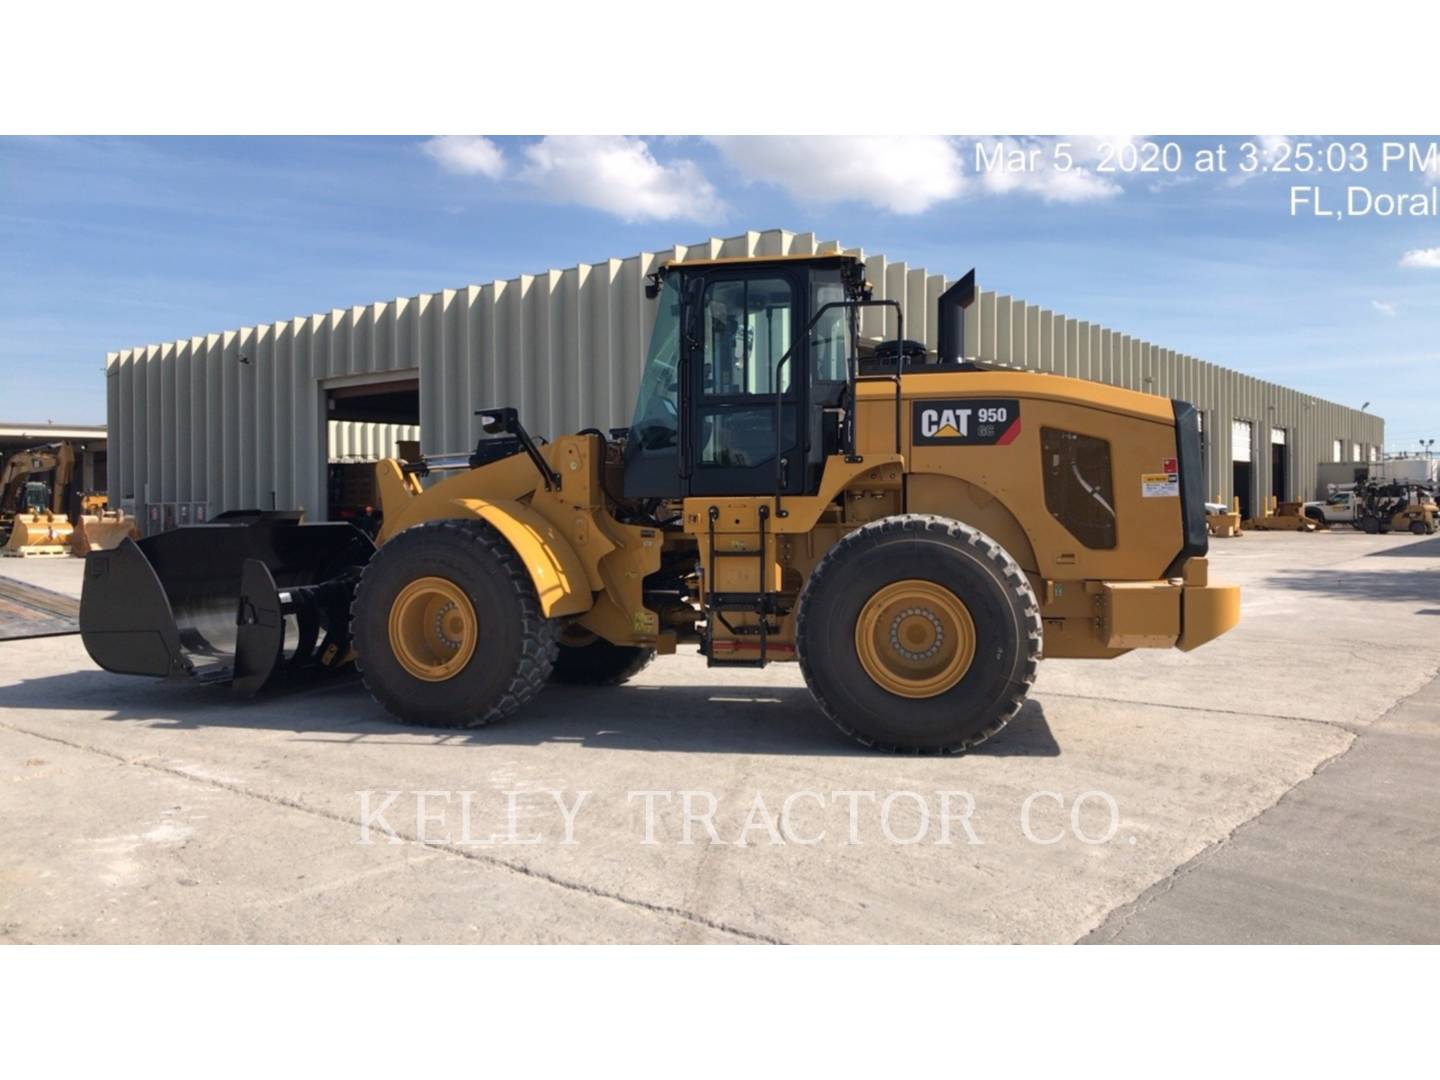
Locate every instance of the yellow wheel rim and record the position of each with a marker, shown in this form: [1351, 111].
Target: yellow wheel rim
[915, 638]
[433, 629]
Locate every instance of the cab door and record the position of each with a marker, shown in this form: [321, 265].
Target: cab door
[744, 324]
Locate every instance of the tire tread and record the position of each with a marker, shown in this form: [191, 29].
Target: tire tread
[540, 636]
[993, 553]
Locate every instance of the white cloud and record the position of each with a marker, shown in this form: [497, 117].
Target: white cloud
[1271, 146]
[1268, 147]
[1422, 259]
[472, 155]
[908, 174]
[1042, 176]
[904, 174]
[619, 174]
[1385, 307]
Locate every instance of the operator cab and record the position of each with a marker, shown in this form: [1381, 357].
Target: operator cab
[750, 367]
[35, 497]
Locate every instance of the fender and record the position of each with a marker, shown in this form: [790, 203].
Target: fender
[554, 567]
[955, 497]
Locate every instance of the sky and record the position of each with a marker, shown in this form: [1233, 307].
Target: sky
[111, 243]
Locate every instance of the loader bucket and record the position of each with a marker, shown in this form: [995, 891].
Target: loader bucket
[102, 531]
[41, 533]
[239, 599]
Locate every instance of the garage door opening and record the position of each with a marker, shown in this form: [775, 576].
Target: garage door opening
[1279, 465]
[365, 423]
[1243, 472]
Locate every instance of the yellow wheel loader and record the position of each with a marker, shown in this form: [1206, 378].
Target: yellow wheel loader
[911, 528]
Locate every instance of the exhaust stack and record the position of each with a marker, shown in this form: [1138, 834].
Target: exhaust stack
[951, 318]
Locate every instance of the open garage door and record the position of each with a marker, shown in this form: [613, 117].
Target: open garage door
[1243, 469]
[366, 422]
[1279, 465]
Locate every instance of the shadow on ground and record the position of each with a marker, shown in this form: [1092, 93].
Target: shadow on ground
[703, 719]
[1424, 549]
[1419, 586]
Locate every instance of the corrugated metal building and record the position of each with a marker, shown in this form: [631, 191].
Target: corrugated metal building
[242, 418]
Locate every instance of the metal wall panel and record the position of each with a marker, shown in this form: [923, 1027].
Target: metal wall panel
[351, 440]
[234, 419]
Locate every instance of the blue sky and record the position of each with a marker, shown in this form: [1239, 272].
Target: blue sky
[109, 243]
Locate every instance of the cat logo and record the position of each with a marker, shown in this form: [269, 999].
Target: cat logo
[944, 423]
[967, 422]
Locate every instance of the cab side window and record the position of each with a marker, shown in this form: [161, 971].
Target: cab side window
[747, 326]
[830, 340]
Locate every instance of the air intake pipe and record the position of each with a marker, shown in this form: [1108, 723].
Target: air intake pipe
[951, 317]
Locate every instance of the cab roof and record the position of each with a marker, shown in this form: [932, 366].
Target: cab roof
[734, 260]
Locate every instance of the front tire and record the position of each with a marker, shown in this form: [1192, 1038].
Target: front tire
[448, 629]
[918, 634]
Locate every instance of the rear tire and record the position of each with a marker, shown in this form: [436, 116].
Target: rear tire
[895, 578]
[1419, 528]
[598, 663]
[514, 644]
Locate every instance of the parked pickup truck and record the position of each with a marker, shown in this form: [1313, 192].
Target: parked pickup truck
[1340, 508]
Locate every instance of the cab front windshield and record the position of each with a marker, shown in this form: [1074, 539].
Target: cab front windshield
[656, 421]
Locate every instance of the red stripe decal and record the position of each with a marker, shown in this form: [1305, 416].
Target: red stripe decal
[1010, 433]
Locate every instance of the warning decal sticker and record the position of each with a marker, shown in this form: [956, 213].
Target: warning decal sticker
[1159, 485]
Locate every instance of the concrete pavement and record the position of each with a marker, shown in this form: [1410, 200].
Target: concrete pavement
[1351, 855]
[137, 811]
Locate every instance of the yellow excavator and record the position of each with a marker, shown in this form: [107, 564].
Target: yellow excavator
[32, 508]
[35, 489]
[912, 528]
